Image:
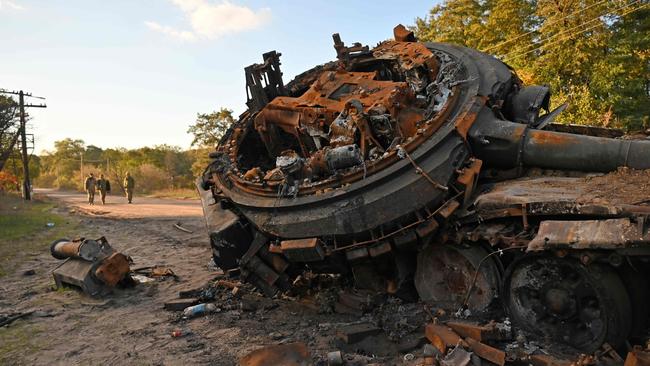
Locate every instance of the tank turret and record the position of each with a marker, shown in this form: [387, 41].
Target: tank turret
[408, 166]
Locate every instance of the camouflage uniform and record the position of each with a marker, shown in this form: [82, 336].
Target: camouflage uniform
[102, 187]
[129, 184]
[89, 185]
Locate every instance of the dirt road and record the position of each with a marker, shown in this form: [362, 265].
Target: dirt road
[130, 326]
[117, 206]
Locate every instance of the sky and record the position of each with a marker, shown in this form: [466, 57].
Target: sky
[133, 73]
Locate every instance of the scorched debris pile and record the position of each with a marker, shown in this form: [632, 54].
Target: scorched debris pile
[429, 171]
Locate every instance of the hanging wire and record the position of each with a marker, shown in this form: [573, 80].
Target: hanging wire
[510, 56]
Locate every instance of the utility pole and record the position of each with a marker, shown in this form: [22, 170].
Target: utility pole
[27, 194]
[81, 170]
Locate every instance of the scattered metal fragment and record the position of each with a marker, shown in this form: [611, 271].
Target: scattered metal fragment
[357, 332]
[457, 357]
[180, 304]
[179, 227]
[638, 357]
[12, 318]
[334, 358]
[292, 354]
[488, 332]
[486, 352]
[91, 265]
[155, 272]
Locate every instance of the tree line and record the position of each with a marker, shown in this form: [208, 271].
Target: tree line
[161, 167]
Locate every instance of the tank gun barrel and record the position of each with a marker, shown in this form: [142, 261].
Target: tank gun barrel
[506, 145]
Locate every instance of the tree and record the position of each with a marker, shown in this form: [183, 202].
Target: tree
[454, 21]
[628, 77]
[8, 128]
[210, 127]
[593, 53]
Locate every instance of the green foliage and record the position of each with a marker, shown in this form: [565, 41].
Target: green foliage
[210, 127]
[591, 53]
[8, 128]
[154, 168]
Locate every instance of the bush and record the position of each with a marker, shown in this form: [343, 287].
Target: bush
[149, 178]
[8, 182]
[46, 180]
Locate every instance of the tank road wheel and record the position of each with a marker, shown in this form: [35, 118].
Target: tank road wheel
[566, 301]
[444, 274]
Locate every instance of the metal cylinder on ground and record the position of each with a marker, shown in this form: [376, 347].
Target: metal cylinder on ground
[86, 249]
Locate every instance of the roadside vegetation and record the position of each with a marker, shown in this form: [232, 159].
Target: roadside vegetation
[159, 171]
[27, 228]
[594, 54]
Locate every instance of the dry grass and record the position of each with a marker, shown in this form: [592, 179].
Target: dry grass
[179, 193]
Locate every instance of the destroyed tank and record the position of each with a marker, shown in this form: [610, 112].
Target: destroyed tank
[429, 171]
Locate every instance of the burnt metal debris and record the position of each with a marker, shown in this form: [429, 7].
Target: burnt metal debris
[429, 170]
[90, 265]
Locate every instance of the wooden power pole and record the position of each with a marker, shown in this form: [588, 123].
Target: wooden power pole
[27, 194]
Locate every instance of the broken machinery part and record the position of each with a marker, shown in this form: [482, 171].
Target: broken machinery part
[430, 170]
[90, 265]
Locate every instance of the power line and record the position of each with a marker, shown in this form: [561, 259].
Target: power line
[577, 26]
[533, 31]
[5, 91]
[506, 58]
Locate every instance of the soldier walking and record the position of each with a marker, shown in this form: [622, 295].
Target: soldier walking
[103, 186]
[129, 184]
[89, 185]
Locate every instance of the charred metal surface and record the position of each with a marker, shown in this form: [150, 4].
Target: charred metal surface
[90, 265]
[264, 81]
[583, 306]
[591, 234]
[431, 167]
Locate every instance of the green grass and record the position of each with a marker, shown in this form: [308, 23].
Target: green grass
[23, 228]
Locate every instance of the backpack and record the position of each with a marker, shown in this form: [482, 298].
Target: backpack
[108, 185]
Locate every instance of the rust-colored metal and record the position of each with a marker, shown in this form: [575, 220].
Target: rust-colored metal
[484, 351]
[481, 333]
[638, 357]
[390, 151]
[469, 175]
[551, 138]
[402, 34]
[371, 167]
[303, 250]
[466, 119]
[113, 269]
[409, 55]
[441, 334]
[292, 354]
[589, 234]
[327, 97]
[66, 249]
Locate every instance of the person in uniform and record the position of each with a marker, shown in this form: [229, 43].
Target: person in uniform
[89, 185]
[103, 186]
[129, 184]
